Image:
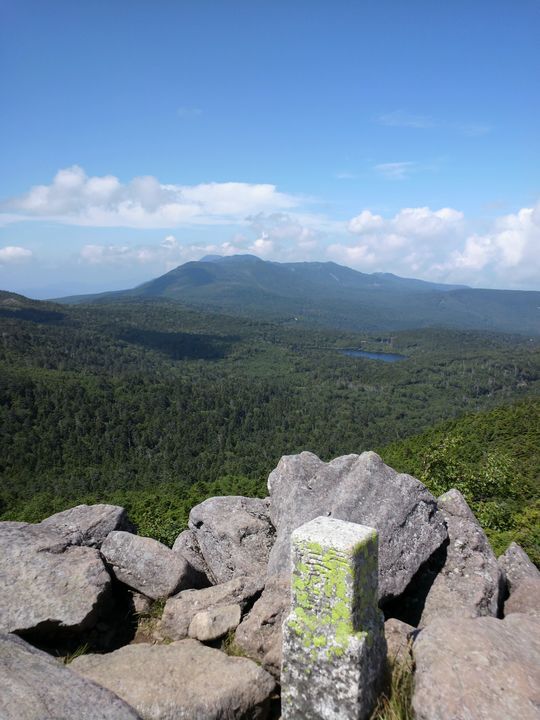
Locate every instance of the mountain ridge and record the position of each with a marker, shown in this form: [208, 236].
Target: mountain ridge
[333, 295]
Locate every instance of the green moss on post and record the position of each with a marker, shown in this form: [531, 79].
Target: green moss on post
[334, 647]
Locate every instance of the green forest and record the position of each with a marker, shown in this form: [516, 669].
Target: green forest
[155, 406]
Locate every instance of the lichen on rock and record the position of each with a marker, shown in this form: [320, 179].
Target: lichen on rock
[334, 647]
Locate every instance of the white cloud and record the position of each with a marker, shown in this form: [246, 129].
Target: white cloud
[410, 241]
[509, 253]
[14, 254]
[442, 245]
[73, 198]
[395, 170]
[400, 118]
[365, 221]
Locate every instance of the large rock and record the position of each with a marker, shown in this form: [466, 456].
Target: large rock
[469, 583]
[180, 610]
[46, 586]
[214, 623]
[478, 669]
[187, 546]
[516, 565]
[259, 635]
[36, 686]
[399, 638]
[88, 524]
[183, 680]
[361, 489]
[235, 536]
[145, 565]
[525, 598]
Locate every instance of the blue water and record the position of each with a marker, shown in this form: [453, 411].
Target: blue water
[385, 357]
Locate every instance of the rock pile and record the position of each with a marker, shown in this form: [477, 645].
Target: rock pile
[163, 625]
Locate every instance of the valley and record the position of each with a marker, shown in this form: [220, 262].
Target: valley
[154, 405]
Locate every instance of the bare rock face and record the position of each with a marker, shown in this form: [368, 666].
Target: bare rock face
[478, 669]
[235, 536]
[47, 586]
[36, 686]
[187, 546]
[469, 583]
[180, 610]
[363, 490]
[525, 598]
[516, 566]
[184, 680]
[214, 623]
[260, 635]
[88, 524]
[399, 637]
[145, 565]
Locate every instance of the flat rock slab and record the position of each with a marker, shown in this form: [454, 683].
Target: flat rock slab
[363, 490]
[180, 610]
[516, 566]
[478, 669]
[182, 681]
[469, 583]
[234, 534]
[88, 524]
[46, 586]
[36, 686]
[145, 565]
[260, 633]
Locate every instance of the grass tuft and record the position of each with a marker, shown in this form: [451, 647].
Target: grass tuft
[81, 650]
[230, 646]
[396, 702]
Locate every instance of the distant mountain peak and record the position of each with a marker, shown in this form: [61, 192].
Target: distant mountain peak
[231, 258]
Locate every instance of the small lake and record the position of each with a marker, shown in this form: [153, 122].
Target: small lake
[385, 357]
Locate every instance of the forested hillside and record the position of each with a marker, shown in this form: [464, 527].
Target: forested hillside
[153, 405]
[493, 458]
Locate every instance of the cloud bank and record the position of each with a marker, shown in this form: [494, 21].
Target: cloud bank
[73, 198]
[431, 243]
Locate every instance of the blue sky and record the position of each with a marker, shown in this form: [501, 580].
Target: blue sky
[387, 136]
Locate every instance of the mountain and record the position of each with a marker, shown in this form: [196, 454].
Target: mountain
[332, 295]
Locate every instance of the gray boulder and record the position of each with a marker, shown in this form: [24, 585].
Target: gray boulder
[235, 536]
[469, 583]
[478, 669]
[145, 565]
[516, 565]
[46, 586]
[142, 605]
[525, 598]
[180, 610]
[184, 680]
[36, 686]
[360, 489]
[88, 524]
[259, 635]
[187, 546]
[399, 638]
[214, 623]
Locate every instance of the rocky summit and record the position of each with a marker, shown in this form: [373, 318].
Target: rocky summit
[97, 621]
